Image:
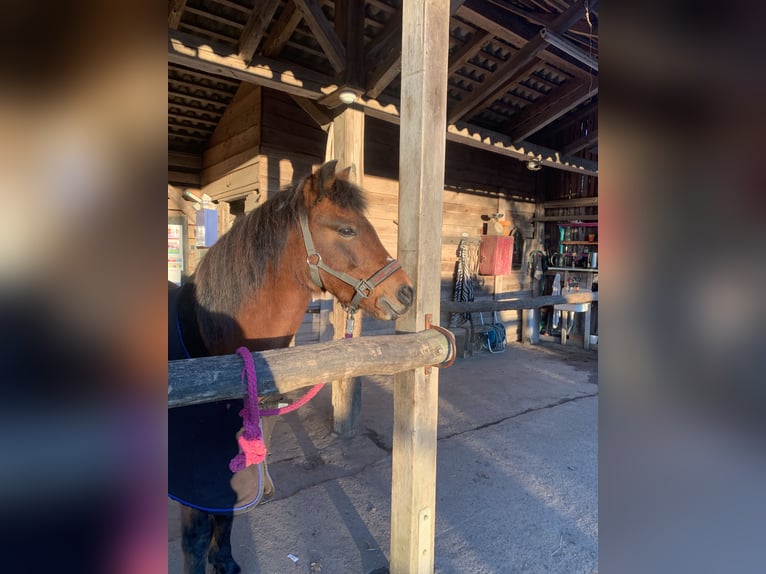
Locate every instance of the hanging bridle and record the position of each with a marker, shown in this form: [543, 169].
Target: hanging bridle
[363, 287]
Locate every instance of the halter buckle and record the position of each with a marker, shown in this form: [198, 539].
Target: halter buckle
[364, 288]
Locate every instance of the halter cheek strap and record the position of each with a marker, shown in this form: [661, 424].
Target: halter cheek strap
[363, 287]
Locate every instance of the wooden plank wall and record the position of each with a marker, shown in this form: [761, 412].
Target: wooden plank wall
[291, 144]
[230, 164]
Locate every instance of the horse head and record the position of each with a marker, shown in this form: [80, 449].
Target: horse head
[344, 253]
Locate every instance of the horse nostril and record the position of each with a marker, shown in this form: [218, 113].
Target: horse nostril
[405, 295]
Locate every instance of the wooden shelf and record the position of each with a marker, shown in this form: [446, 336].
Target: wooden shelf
[579, 243]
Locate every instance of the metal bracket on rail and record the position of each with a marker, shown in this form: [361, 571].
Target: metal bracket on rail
[452, 351]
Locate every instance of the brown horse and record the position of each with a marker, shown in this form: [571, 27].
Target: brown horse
[252, 289]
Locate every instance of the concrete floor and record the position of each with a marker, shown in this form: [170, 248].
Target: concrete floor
[517, 475]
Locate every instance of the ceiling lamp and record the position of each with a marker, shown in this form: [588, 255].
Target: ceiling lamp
[347, 96]
[568, 48]
[535, 164]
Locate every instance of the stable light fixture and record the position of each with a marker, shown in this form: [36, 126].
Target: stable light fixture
[347, 96]
[535, 164]
[568, 48]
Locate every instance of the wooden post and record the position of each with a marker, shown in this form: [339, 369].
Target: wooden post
[425, 49]
[345, 142]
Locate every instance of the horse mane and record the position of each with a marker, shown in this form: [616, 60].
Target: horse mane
[237, 264]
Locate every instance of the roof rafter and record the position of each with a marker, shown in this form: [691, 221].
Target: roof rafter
[535, 117]
[175, 11]
[323, 32]
[255, 29]
[285, 26]
[514, 66]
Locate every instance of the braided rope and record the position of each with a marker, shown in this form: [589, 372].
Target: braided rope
[252, 449]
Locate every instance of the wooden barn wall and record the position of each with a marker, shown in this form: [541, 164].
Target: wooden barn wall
[291, 142]
[230, 167]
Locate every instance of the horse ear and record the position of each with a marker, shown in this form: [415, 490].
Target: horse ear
[325, 177]
[345, 173]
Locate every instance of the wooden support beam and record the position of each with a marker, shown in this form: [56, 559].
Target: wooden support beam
[208, 379]
[315, 112]
[345, 142]
[175, 11]
[425, 49]
[383, 59]
[535, 117]
[255, 29]
[323, 32]
[283, 29]
[349, 24]
[208, 56]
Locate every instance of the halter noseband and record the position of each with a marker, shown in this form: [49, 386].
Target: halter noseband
[363, 287]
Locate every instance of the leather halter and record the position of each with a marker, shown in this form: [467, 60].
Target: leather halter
[363, 287]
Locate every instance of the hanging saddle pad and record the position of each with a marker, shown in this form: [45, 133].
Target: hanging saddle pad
[202, 440]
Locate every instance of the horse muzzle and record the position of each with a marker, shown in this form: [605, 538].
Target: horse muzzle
[387, 309]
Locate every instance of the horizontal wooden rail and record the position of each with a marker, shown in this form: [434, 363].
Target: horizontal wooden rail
[207, 379]
[517, 304]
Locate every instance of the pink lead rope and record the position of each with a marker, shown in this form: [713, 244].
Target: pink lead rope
[252, 449]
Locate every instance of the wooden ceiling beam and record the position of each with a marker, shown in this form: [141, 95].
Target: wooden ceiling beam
[175, 11]
[208, 56]
[284, 27]
[349, 25]
[315, 112]
[255, 29]
[578, 145]
[323, 32]
[543, 19]
[383, 58]
[516, 64]
[551, 108]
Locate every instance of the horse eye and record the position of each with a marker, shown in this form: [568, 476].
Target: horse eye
[346, 232]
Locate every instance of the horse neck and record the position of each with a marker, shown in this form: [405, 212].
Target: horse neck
[271, 315]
